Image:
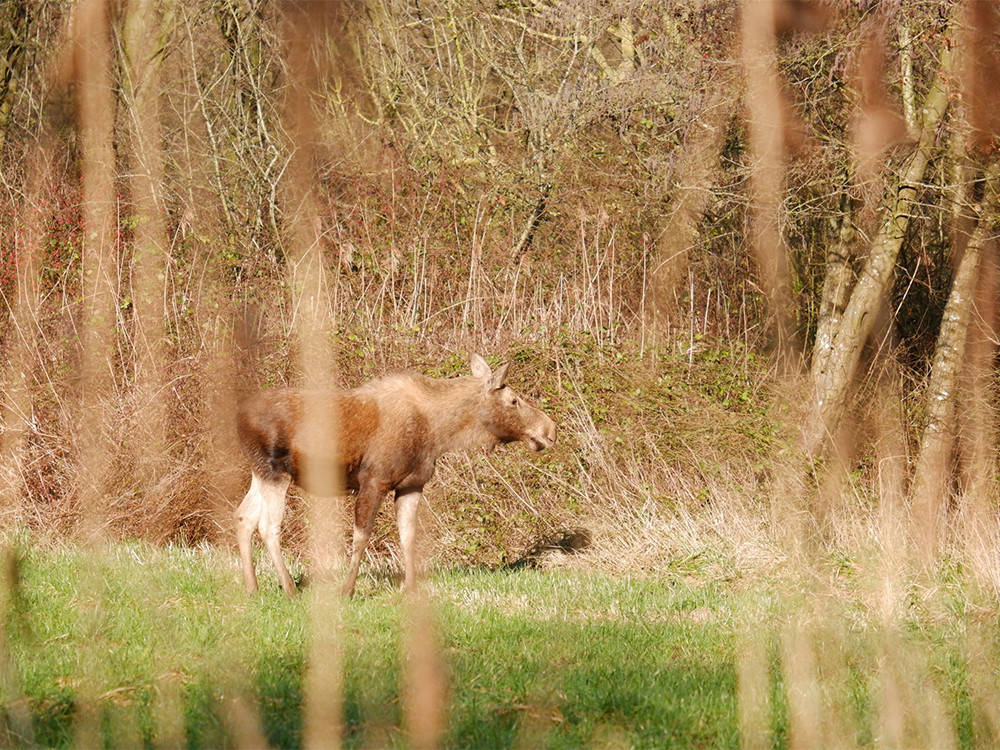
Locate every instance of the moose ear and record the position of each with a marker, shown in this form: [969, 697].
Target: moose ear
[492, 380]
[496, 382]
[479, 367]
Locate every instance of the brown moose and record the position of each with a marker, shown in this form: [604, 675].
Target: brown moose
[389, 433]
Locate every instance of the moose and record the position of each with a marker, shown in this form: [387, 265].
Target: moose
[389, 433]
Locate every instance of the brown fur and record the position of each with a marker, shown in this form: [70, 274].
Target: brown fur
[389, 434]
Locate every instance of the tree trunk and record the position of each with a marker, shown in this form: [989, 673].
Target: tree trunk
[976, 430]
[930, 479]
[836, 356]
[837, 280]
[959, 347]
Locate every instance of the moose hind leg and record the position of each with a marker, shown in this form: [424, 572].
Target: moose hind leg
[247, 518]
[269, 526]
[406, 519]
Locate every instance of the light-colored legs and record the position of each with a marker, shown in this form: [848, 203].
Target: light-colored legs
[365, 506]
[406, 518]
[247, 516]
[262, 510]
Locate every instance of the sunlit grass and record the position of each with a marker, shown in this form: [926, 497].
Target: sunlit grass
[535, 658]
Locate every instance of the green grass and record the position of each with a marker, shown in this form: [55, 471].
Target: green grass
[535, 658]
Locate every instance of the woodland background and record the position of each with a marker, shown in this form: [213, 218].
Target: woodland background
[744, 254]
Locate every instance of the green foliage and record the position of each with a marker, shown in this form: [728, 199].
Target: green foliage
[711, 394]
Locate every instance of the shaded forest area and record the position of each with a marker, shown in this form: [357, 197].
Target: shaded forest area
[200, 198]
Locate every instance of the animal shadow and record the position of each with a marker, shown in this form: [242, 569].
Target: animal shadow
[559, 542]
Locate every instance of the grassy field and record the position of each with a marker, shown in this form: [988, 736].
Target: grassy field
[166, 647]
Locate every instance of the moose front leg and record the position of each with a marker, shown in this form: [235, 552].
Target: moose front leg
[365, 505]
[407, 503]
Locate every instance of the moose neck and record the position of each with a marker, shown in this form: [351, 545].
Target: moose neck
[456, 407]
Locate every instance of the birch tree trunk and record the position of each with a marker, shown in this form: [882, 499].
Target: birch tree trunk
[930, 479]
[836, 354]
[977, 428]
[837, 279]
[976, 446]
[953, 352]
